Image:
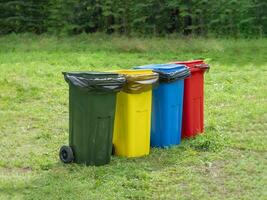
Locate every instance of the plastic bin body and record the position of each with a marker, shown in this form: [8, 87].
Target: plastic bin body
[167, 107]
[167, 114]
[131, 136]
[91, 120]
[193, 108]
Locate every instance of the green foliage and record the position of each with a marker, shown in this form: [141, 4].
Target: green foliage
[153, 17]
[22, 16]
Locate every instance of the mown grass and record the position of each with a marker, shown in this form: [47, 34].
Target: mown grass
[228, 161]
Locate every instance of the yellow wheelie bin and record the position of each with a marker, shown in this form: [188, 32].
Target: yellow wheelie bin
[131, 136]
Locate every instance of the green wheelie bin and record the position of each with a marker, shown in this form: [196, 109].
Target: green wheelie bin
[92, 101]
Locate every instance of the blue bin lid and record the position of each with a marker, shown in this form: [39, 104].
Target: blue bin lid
[163, 67]
[168, 72]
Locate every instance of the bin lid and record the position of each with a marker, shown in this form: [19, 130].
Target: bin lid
[97, 81]
[194, 65]
[163, 67]
[168, 72]
[138, 81]
[187, 62]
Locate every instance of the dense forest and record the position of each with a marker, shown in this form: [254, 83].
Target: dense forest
[236, 18]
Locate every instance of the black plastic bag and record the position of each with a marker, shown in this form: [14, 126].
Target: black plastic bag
[95, 81]
[168, 72]
[173, 76]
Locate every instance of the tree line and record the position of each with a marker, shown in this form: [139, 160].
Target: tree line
[141, 17]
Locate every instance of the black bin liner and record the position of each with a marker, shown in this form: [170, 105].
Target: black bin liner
[173, 76]
[95, 81]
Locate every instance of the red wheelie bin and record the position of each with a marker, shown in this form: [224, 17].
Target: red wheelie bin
[193, 108]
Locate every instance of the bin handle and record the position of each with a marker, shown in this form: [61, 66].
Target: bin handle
[202, 66]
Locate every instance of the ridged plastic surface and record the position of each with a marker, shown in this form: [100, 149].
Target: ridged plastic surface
[91, 120]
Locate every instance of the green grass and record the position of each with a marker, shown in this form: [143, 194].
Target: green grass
[227, 162]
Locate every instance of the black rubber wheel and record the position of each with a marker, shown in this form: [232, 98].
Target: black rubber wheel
[113, 150]
[66, 154]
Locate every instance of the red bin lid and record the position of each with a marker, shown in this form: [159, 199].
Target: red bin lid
[194, 65]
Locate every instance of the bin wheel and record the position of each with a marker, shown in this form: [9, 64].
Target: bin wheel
[113, 150]
[66, 154]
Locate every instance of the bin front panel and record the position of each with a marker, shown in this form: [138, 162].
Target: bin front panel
[167, 114]
[193, 117]
[132, 124]
[193, 108]
[91, 126]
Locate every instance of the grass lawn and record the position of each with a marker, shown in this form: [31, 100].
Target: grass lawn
[229, 161]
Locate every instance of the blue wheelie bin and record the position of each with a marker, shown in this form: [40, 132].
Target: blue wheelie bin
[167, 104]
